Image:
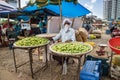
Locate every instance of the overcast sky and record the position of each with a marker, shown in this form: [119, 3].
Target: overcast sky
[96, 6]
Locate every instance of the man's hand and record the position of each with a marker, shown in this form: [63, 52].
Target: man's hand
[68, 41]
[52, 40]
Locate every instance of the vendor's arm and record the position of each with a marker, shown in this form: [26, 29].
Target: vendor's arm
[57, 36]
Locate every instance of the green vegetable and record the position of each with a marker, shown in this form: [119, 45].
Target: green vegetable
[32, 41]
[74, 47]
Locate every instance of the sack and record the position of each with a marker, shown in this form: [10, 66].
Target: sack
[78, 36]
[116, 60]
[83, 30]
[83, 35]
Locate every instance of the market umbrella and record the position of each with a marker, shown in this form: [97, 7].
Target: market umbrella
[69, 9]
[5, 7]
[42, 3]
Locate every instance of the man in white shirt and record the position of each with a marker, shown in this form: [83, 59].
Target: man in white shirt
[66, 34]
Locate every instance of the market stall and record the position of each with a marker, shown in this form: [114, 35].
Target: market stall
[114, 44]
[70, 50]
[29, 44]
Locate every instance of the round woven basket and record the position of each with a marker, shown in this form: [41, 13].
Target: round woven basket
[70, 54]
[30, 46]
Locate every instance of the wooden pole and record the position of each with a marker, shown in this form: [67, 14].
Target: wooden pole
[19, 4]
[60, 7]
[73, 22]
[8, 20]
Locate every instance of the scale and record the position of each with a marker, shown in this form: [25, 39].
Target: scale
[101, 50]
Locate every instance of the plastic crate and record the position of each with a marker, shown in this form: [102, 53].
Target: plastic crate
[108, 32]
[91, 70]
[104, 64]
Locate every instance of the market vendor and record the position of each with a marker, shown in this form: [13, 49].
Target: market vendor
[66, 34]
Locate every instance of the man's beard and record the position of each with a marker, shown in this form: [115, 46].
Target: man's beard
[66, 29]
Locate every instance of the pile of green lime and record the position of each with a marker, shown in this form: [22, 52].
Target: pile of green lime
[31, 41]
[74, 47]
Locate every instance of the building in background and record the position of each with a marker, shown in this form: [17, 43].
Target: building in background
[111, 9]
[107, 8]
[114, 9]
[118, 9]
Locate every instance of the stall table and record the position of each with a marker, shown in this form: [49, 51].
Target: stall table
[77, 56]
[48, 36]
[29, 48]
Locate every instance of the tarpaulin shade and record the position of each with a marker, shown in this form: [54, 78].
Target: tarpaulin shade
[25, 18]
[5, 7]
[69, 9]
[30, 8]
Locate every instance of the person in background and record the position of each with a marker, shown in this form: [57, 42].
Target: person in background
[41, 26]
[0, 35]
[88, 26]
[112, 26]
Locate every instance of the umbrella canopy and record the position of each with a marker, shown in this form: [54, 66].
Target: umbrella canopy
[30, 8]
[69, 9]
[5, 7]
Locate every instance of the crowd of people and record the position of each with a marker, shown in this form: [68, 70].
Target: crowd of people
[10, 30]
[114, 28]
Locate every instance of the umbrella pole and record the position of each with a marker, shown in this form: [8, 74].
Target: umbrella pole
[8, 20]
[73, 22]
[19, 4]
[60, 7]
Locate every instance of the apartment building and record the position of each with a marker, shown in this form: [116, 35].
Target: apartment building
[111, 9]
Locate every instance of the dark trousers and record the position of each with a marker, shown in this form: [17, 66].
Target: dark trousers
[60, 59]
[111, 30]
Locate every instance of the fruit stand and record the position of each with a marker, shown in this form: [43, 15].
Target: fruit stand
[72, 50]
[29, 44]
[114, 44]
[48, 36]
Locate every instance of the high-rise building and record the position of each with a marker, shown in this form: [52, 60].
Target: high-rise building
[118, 9]
[114, 9]
[107, 5]
[111, 9]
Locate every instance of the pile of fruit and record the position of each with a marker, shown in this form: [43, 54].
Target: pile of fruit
[91, 43]
[31, 41]
[117, 47]
[73, 47]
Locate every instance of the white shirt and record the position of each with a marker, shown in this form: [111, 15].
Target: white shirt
[65, 35]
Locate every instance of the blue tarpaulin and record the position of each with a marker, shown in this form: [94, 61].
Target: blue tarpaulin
[69, 9]
[30, 8]
[25, 18]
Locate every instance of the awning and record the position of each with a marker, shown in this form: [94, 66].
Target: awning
[5, 7]
[69, 9]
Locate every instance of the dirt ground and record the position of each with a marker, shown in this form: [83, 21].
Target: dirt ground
[7, 70]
